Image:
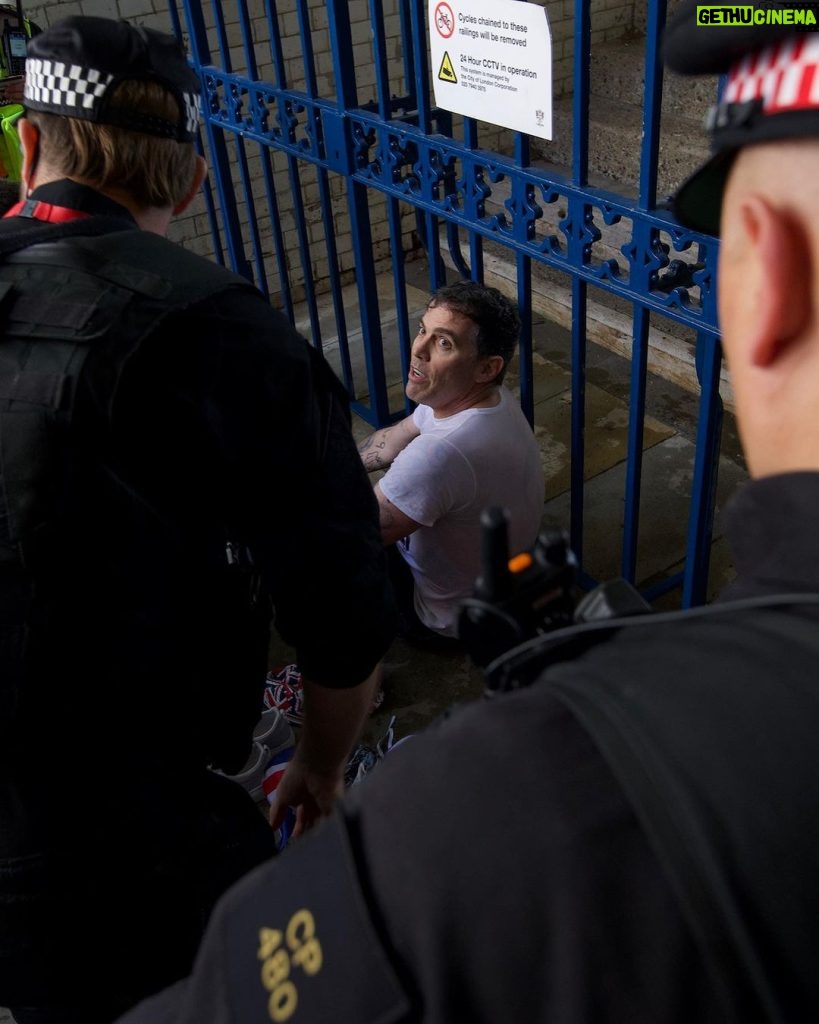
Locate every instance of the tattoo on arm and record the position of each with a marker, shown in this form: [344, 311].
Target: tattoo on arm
[371, 451]
[382, 447]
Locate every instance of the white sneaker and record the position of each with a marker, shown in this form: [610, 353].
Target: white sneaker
[272, 739]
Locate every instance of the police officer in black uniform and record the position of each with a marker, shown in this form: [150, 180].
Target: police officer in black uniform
[633, 836]
[176, 463]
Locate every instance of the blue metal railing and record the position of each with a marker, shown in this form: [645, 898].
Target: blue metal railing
[390, 171]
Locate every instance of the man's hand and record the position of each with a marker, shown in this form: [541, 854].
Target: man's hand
[311, 793]
[379, 449]
[333, 720]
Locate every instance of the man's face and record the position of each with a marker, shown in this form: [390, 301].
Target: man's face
[445, 370]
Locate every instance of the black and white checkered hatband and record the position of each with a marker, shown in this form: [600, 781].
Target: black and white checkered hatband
[77, 91]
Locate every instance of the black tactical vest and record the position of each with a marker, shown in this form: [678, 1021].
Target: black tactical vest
[717, 755]
[76, 307]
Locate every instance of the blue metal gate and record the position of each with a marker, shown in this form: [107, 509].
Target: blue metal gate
[330, 160]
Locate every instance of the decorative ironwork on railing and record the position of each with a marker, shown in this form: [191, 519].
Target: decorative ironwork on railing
[309, 177]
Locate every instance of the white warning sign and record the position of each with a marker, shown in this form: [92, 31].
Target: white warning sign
[493, 61]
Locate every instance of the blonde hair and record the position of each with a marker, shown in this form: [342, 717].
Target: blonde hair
[154, 171]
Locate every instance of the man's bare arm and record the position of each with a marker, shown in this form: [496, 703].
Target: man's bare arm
[379, 449]
[394, 524]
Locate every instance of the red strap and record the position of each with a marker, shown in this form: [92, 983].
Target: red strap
[44, 211]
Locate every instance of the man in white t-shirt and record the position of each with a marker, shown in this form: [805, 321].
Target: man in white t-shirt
[467, 446]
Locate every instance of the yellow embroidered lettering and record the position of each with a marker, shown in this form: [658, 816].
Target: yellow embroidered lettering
[305, 953]
[282, 1002]
[275, 970]
[269, 941]
[309, 957]
[301, 922]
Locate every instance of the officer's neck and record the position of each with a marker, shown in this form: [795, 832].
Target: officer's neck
[148, 218]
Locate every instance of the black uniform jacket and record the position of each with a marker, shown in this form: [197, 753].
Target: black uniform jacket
[223, 430]
[194, 476]
[633, 838]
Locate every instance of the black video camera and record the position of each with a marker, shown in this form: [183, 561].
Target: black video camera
[534, 592]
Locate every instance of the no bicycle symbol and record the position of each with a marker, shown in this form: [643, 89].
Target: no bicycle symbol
[444, 20]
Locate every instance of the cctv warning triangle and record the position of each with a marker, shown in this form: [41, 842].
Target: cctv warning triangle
[446, 72]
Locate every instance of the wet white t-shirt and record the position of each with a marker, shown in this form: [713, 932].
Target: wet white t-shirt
[444, 479]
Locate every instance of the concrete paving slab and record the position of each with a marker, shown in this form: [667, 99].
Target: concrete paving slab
[420, 686]
[548, 378]
[721, 572]
[606, 436]
[667, 475]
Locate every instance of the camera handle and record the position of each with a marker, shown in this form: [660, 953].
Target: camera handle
[534, 592]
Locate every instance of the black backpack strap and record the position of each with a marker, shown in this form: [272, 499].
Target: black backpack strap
[676, 836]
[33, 388]
[13, 238]
[522, 665]
[163, 277]
[674, 828]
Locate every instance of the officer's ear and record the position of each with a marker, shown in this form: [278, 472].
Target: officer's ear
[200, 170]
[775, 288]
[29, 136]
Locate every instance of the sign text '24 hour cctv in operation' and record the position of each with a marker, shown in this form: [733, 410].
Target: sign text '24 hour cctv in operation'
[492, 60]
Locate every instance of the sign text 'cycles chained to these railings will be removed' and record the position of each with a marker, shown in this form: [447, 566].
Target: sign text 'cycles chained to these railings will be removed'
[492, 60]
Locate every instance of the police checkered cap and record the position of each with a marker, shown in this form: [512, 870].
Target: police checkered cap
[74, 68]
[771, 92]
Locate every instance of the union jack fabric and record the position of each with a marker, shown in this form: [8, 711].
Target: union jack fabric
[274, 771]
[284, 691]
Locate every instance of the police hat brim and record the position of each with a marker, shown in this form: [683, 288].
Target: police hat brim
[697, 203]
[691, 49]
